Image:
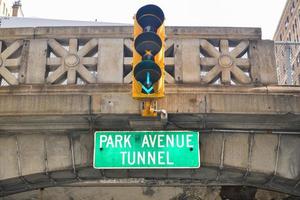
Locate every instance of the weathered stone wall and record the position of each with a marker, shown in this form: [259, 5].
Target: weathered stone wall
[29, 161]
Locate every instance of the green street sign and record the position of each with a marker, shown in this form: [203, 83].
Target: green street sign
[146, 149]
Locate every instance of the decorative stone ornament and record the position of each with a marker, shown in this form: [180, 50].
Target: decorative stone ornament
[8, 65]
[225, 61]
[74, 62]
[229, 66]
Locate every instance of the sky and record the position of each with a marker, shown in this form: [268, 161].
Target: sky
[232, 13]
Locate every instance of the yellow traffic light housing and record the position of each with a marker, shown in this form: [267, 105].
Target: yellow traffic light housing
[148, 53]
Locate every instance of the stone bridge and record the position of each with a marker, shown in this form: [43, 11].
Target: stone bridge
[60, 84]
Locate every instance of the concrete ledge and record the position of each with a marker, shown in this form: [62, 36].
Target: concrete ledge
[107, 106]
[235, 33]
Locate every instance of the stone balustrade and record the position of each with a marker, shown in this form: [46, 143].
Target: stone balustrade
[87, 55]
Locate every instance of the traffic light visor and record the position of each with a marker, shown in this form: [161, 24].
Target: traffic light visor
[150, 17]
[148, 41]
[147, 69]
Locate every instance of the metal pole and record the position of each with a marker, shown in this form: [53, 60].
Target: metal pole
[286, 43]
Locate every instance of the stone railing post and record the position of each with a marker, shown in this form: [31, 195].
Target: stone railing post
[187, 61]
[263, 62]
[110, 61]
[36, 62]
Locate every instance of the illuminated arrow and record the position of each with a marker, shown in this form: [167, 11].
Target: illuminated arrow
[148, 78]
[148, 83]
[147, 90]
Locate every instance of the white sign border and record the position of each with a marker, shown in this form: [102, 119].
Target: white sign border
[147, 167]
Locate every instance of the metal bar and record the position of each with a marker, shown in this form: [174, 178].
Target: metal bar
[250, 149]
[46, 162]
[205, 112]
[252, 131]
[18, 156]
[276, 162]
[221, 158]
[19, 165]
[72, 154]
[45, 155]
[222, 152]
[73, 158]
[213, 130]
[90, 117]
[277, 155]
[286, 43]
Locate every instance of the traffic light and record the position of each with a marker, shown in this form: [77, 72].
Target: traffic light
[148, 53]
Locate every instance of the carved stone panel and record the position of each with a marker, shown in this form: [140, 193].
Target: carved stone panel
[72, 64]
